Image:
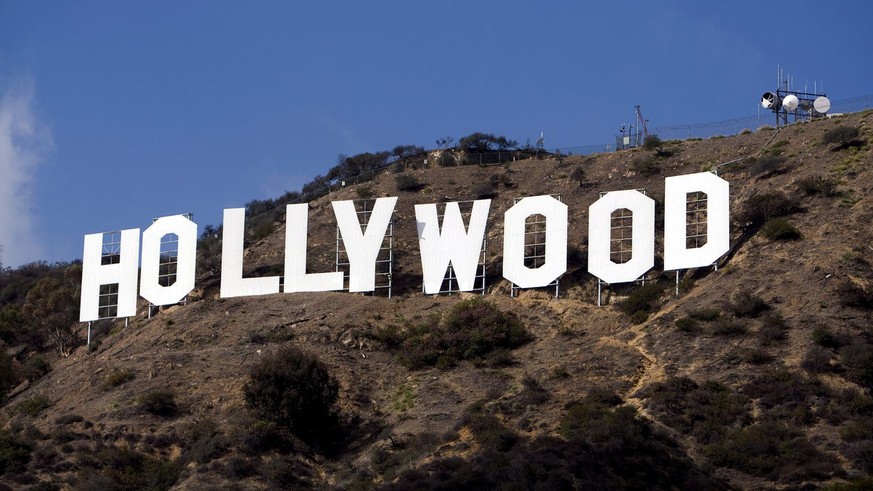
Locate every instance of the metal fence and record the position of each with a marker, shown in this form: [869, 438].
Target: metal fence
[735, 126]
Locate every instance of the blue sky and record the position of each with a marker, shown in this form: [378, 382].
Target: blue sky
[113, 113]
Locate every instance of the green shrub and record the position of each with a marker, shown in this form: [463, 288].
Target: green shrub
[160, 402]
[772, 450]
[484, 189]
[606, 448]
[14, 453]
[652, 142]
[646, 166]
[687, 324]
[67, 419]
[584, 418]
[125, 469]
[408, 182]
[705, 314]
[490, 432]
[854, 295]
[364, 192]
[861, 454]
[706, 412]
[203, 441]
[773, 328]
[32, 406]
[761, 207]
[36, 367]
[767, 165]
[843, 136]
[8, 375]
[578, 175]
[642, 301]
[472, 330]
[117, 377]
[295, 390]
[823, 337]
[855, 484]
[729, 326]
[447, 159]
[745, 303]
[858, 360]
[814, 185]
[779, 391]
[780, 229]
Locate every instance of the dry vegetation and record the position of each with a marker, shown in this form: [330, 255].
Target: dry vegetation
[758, 375]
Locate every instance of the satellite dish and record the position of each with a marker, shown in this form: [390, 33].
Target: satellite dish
[822, 104]
[790, 102]
[768, 100]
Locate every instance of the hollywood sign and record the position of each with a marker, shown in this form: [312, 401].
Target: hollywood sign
[454, 243]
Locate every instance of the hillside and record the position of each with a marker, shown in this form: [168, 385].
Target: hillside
[757, 375]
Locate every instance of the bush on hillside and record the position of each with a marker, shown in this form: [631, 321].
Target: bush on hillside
[773, 450]
[652, 142]
[780, 229]
[408, 182]
[745, 303]
[642, 301]
[646, 166]
[767, 165]
[858, 360]
[761, 207]
[36, 367]
[843, 136]
[706, 412]
[818, 185]
[472, 330]
[14, 453]
[160, 402]
[295, 390]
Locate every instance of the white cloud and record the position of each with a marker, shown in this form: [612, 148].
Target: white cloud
[24, 142]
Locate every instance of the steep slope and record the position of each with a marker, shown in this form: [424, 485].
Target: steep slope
[769, 355]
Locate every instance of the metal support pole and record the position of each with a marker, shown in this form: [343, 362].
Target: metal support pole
[89, 334]
[599, 287]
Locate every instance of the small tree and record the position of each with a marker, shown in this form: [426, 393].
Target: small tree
[652, 142]
[578, 175]
[485, 142]
[51, 307]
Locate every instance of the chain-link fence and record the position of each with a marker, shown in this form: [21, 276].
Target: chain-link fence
[735, 126]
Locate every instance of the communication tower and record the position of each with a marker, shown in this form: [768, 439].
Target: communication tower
[790, 105]
[632, 134]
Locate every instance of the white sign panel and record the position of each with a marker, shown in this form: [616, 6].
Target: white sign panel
[363, 247]
[676, 253]
[296, 277]
[232, 282]
[555, 263]
[600, 263]
[186, 231]
[95, 274]
[455, 243]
